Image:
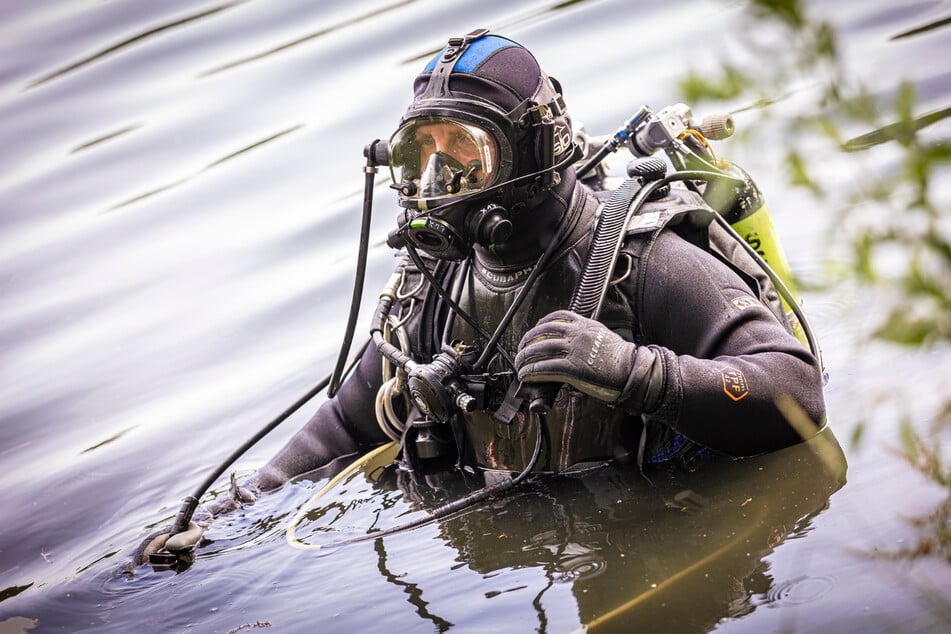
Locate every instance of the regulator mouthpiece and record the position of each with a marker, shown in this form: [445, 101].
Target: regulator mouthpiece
[442, 176]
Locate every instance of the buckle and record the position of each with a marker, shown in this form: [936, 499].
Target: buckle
[534, 115]
[457, 45]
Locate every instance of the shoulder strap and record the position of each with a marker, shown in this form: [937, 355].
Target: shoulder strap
[686, 213]
[682, 210]
[727, 249]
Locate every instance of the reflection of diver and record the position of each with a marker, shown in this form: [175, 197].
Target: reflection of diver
[675, 551]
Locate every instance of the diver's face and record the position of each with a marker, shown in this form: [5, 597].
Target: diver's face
[440, 165]
[451, 140]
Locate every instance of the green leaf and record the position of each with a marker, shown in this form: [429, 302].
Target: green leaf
[788, 11]
[909, 440]
[729, 85]
[900, 327]
[798, 175]
[858, 433]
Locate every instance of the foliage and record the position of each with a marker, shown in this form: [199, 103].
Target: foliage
[910, 226]
[897, 235]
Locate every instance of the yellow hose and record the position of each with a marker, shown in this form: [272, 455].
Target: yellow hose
[290, 535]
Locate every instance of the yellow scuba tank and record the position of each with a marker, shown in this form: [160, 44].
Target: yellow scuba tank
[746, 211]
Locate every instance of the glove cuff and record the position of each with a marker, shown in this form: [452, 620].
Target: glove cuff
[646, 385]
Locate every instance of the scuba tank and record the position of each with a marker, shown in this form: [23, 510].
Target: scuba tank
[747, 212]
[725, 186]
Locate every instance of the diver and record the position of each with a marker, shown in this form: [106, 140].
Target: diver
[686, 359]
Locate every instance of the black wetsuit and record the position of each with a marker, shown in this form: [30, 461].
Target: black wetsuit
[725, 356]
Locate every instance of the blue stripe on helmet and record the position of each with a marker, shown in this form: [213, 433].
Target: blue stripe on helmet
[475, 54]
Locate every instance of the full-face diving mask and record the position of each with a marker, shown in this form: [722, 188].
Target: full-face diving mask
[433, 159]
[438, 164]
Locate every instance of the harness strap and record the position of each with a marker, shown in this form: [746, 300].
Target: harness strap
[439, 80]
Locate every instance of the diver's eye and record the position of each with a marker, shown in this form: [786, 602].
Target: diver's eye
[461, 143]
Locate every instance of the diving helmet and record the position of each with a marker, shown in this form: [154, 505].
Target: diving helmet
[486, 133]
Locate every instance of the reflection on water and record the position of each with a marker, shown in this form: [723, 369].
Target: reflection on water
[128, 42]
[214, 163]
[670, 550]
[179, 204]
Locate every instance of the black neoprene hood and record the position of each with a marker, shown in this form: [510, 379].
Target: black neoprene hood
[494, 79]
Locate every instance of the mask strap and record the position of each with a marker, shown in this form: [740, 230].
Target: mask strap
[439, 80]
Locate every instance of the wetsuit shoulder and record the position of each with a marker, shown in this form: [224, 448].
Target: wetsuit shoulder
[727, 357]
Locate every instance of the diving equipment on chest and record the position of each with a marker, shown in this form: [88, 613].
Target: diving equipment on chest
[713, 204]
[454, 405]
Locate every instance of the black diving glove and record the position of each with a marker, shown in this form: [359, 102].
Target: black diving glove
[565, 347]
[164, 540]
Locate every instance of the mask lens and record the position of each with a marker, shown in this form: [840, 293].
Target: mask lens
[443, 157]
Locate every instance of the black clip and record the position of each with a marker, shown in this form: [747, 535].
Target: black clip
[458, 44]
[511, 403]
[538, 113]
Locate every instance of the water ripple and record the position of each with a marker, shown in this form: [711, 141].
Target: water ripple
[301, 40]
[215, 163]
[798, 591]
[132, 40]
[105, 137]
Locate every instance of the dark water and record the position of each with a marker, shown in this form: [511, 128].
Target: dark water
[180, 188]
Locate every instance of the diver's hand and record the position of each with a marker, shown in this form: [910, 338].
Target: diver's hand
[165, 540]
[565, 347]
[237, 497]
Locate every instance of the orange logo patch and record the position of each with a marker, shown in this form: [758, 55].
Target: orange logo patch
[734, 384]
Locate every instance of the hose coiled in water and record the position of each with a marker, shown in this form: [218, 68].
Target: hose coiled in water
[441, 512]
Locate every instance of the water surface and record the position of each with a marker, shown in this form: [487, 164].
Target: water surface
[180, 193]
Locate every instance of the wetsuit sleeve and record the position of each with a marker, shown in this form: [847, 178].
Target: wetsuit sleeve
[342, 428]
[726, 357]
